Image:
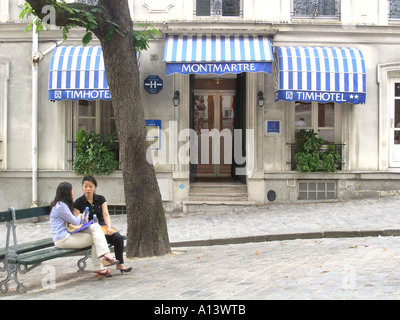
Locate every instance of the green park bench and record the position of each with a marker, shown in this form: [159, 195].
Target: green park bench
[23, 257]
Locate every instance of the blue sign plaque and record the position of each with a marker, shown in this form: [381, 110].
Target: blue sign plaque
[153, 84]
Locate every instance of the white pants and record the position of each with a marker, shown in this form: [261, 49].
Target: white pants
[91, 236]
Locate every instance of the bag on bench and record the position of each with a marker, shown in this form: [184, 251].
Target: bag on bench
[74, 229]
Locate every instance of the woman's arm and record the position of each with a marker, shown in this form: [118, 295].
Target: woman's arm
[106, 217]
[67, 215]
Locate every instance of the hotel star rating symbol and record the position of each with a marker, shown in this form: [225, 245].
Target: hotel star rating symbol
[354, 97]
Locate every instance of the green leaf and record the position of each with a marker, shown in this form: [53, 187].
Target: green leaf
[87, 38]
[93, 154]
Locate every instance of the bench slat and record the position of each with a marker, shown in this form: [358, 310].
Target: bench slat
[5, 216]
[44, 255]
[32, 212]
[25, 213]
[28, 246]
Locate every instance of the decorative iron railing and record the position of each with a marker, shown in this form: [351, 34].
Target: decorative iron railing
[316, 8]
[226, 8]
[71, 154]
[325, 148]
[394, 9]
[89, 2]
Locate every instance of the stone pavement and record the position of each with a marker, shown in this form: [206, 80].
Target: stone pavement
[246, 254]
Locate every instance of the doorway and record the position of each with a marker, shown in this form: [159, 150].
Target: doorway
[214, 117]
[213, 123]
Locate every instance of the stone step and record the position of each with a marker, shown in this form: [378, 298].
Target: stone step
[234, 185]
[213, 205]
[218, 198]
[218, 192]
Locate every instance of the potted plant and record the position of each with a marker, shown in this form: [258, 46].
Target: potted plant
[93, 154]
[313, 154]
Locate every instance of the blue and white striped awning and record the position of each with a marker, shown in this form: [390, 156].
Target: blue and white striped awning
[78, 73]
[217, 54]
[320, 74]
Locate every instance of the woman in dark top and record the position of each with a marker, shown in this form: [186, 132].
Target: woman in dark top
[97, 205]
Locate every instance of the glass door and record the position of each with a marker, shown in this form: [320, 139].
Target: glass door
[213, 113]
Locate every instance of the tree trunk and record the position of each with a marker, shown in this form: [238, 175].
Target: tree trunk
[147, 227]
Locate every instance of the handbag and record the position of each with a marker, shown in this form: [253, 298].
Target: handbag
[76, 228]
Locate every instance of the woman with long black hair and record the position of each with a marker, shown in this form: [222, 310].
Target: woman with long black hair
[62, 211]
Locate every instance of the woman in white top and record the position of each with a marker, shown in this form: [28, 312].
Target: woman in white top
[62, 211]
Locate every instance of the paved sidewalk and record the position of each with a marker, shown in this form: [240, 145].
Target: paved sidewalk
[287, 221]
[259, 267]
[220, 225]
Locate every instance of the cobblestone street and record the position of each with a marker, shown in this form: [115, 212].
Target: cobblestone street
[315, 268]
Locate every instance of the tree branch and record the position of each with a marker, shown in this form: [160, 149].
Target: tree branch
[64, 11]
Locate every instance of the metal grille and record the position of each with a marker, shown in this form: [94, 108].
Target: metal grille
[89, 2]
[315, 8]
[116, 210]
[231, 8]
[394, 9]
[218, 8]
[293, 149]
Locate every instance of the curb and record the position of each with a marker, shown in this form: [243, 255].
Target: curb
[288, 236]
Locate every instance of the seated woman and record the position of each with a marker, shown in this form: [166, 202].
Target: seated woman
[97, 205]
[62, 209]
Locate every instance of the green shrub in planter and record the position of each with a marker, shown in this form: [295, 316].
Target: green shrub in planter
[310, 155]
[93, 154]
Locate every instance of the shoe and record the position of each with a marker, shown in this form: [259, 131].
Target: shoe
[103, 274]
[109, 262]
[125, 270]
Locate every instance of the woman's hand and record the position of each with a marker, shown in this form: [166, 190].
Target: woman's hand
[109, 231]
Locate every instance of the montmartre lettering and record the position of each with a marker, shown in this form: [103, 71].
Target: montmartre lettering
[218, 67]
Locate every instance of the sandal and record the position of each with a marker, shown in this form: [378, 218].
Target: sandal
[109, 261]
[102, 274]
[124, 269]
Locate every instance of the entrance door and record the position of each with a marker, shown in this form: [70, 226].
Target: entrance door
[214, 113]
[394, 116]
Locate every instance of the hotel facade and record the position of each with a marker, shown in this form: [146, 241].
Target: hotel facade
[226, 90]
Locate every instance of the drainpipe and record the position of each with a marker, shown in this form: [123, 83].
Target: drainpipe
[36, 58]
[35, 77]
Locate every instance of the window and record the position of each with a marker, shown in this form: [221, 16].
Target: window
[4, 78]
[217, 8]
[394, 124]
[4, 10]
[317, 190]
[324, 120]
[318, 117]
[89, 2]
[97, 116]
[315, 8]
[394, 9]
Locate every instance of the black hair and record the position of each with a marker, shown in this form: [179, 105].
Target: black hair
[89, 178]
[64, 194]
